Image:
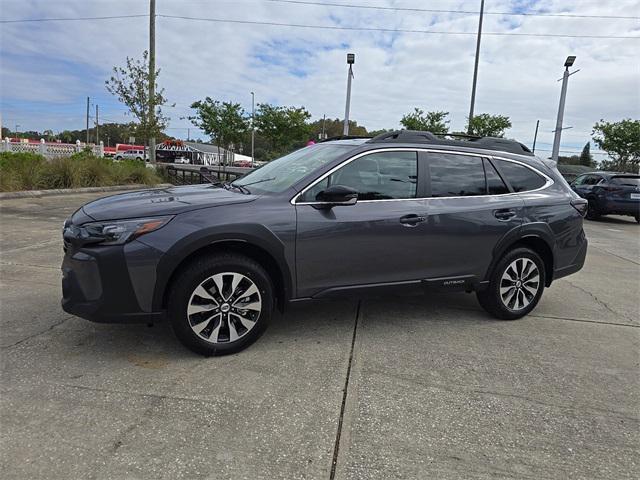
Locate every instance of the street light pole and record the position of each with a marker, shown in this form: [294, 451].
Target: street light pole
[253, 127]
[475, 68]
[563, 96]
[351, 59]
[152, 78]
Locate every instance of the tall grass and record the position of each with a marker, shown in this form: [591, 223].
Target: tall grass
[28, 171]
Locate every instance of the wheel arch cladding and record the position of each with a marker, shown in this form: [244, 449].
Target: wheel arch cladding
[537, 237]
[542, 248]
[256, 248]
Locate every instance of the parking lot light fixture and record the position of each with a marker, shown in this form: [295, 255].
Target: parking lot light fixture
[351, 59]
[563, 95]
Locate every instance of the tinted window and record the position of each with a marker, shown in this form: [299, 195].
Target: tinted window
[592, 180]
[520, 177]
[456, 175]
[378, 176]
[495, 185]
[626, 181]
[580, 180]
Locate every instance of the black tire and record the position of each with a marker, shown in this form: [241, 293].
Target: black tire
[637, 218]
[182, 295]
[592, 211]
[491, 300]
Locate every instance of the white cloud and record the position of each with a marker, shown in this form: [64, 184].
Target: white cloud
[293, 66]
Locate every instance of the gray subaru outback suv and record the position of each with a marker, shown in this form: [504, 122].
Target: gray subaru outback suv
[404, 211]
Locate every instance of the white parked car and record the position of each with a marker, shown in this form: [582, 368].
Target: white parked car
[182, 160]
[131, 154]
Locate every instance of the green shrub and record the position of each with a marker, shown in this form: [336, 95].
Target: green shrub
[25, 171]
[20, 171]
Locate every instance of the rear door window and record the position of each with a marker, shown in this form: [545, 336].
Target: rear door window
[454, 175]
[520, 178]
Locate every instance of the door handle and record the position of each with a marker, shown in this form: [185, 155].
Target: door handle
[412, 220]
[504, 214]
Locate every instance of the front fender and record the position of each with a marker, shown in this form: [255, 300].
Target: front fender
[255, 235]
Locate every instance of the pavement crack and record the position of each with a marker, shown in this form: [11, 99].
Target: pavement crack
[48, 329]
[576, 411]
[336, 447]
[584, 320]
[603, 250]
[598, 301]
[16, 264]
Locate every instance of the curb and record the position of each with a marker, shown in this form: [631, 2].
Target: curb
[65, 191]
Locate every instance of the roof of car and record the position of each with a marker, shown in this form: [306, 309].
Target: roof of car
[610, 174]
[447, 140]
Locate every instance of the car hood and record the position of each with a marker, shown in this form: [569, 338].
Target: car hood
[163, 201]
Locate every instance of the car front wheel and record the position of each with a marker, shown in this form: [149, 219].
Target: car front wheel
[515, 286]
[220, 304]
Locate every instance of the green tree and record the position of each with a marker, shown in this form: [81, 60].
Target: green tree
[621, 141]
[225, 122]
[334, 128]
[569, 160]
[284, 128]
[130, 85]
[434, 122]
[586, 158]
[485, 125]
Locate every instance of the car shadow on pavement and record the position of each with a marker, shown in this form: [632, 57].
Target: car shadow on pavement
[310, 323]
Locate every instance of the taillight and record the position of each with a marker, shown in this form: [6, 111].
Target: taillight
[581, 205]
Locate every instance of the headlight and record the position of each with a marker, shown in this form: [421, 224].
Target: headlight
[121, 231]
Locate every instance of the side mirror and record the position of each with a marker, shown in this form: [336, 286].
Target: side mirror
[337, 195]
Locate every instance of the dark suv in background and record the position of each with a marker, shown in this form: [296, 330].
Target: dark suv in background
[609, 193]
[405, 211]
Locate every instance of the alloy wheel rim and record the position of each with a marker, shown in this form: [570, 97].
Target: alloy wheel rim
[519, 284]
[224, 307]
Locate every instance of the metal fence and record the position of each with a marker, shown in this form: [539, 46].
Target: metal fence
[188, 175]
[50, 149]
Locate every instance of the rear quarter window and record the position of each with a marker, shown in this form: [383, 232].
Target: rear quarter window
[626, 181]
[520, 178]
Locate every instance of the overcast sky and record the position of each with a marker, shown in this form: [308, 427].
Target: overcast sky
[49, 68]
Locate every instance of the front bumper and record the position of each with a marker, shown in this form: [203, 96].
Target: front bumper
[110, 284]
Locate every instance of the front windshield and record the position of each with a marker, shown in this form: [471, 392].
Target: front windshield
[280, 174]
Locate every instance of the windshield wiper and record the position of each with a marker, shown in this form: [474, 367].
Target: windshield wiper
[244, 186]
[257, 181]
[240, 187]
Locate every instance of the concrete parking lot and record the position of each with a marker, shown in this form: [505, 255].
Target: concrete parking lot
[391, 388]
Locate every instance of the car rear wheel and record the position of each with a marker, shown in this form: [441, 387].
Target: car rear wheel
[516, 285]
[220, 304]
[592, 211]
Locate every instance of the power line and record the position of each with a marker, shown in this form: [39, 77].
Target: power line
[332, 27]
[25, 20]
[428, 10]
[392, 30]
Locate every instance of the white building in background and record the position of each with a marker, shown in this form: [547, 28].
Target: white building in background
[197, 153]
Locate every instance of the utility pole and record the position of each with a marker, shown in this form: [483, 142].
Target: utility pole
[97, 124]
[475, 68]
[535, 137]
[253, 127]
[324, 119]
[188, 134]
[87, 120]
[351, 59]
[152, 77]
[563, 96]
